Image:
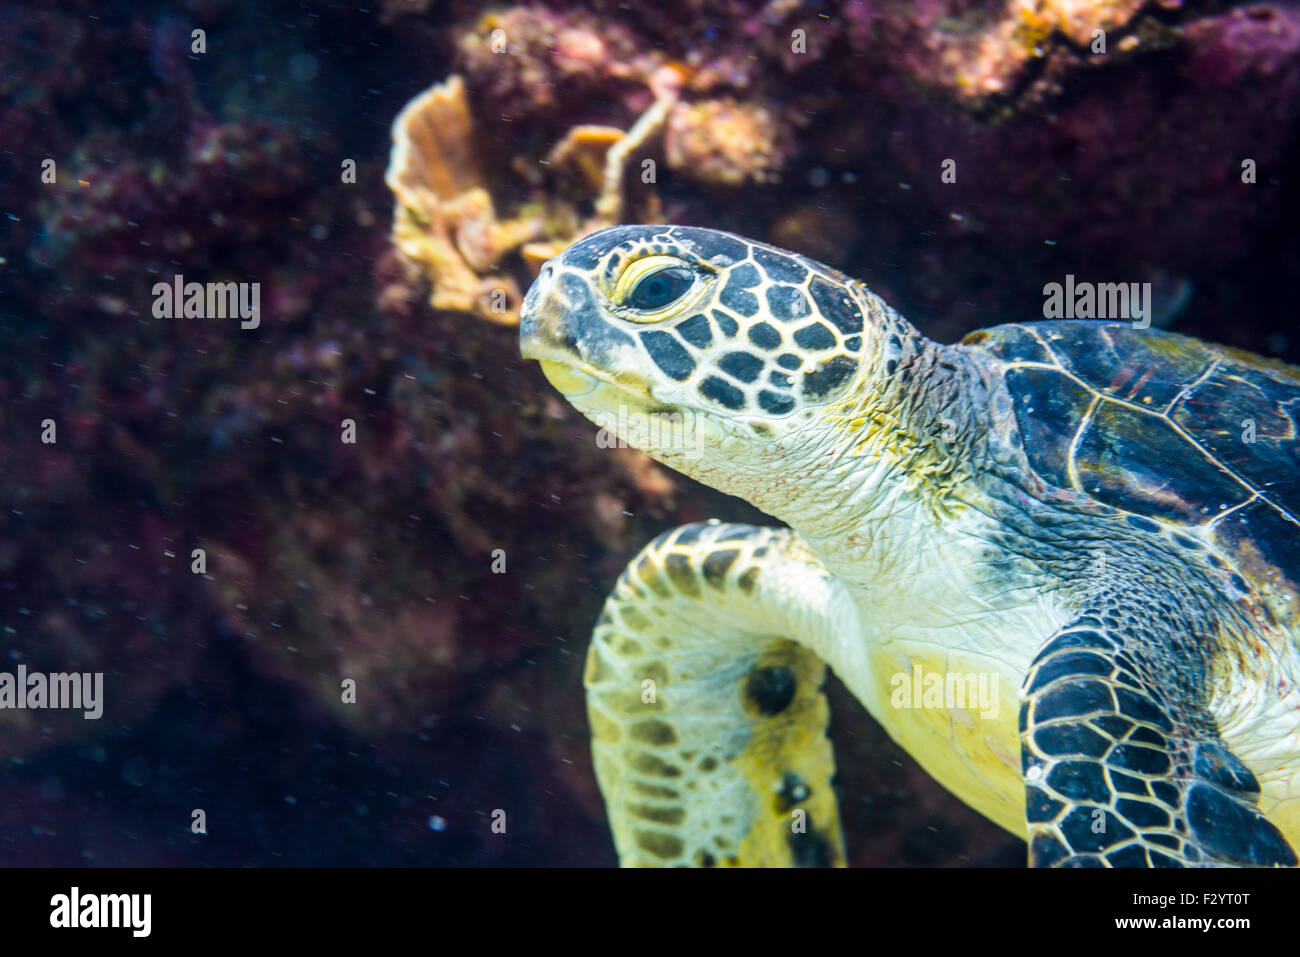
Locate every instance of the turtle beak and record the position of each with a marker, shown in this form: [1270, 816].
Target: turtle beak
[543, 332]
[544, 336]
[561, 327]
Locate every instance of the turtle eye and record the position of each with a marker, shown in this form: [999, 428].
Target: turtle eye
[660, 288]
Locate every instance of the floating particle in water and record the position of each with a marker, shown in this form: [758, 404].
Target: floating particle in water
[303, 67]
[136, 772]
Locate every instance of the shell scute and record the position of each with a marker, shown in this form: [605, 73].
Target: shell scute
[1246, 420]
[1162, 426]
[1049, 406]
[1140, 366]
[1140, 464]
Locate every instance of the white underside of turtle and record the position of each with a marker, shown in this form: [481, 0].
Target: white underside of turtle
[1051, 561]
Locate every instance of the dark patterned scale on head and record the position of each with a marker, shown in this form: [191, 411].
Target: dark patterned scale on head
[1163, 426]
[777, 328]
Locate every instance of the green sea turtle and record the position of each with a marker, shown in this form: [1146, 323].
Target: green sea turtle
[1059, 562]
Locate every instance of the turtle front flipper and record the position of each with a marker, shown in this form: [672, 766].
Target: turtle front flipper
[1118, 775]
[708, 719]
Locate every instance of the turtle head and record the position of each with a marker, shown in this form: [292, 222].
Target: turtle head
[735, 346]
